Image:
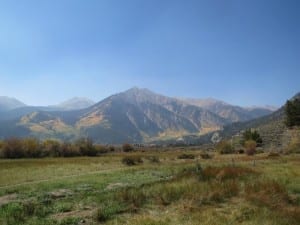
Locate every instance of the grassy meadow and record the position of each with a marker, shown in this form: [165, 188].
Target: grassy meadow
[178, 186]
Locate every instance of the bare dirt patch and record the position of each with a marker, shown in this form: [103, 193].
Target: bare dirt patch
[7, 199]
[61, 193]
[85, 215]
[115, 186]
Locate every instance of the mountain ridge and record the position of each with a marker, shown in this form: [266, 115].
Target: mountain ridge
[135, 115]
[271, 127]
[227, 111]
[74, 104]
[9, 103]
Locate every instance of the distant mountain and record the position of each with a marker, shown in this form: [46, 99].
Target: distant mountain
[74, 104]
[139, 115]
[7, 103]
[136, 115]
[268, 107]
[22, 110]
[229, 112]
[16, 113]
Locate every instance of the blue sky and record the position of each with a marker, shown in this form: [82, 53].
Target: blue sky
[243, 52]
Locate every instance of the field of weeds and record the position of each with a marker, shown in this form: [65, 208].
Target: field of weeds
[152, 188]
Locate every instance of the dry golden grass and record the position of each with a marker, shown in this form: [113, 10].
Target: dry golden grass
[226, 189]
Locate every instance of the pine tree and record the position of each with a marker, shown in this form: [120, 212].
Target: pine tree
[252, 135]
[292, 112]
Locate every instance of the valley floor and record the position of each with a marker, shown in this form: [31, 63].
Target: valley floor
[160, 189]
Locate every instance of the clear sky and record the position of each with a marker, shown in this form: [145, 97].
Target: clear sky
[243, 52]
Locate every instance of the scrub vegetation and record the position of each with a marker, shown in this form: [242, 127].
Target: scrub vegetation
[152, 186]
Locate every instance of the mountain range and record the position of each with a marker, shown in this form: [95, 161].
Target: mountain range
[7, 103]
[135, 116]
[230, 112]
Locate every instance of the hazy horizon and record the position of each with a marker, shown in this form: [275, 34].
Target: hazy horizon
[178, 97]
[243, 53]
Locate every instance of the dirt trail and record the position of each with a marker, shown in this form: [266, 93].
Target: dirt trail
[7, 198]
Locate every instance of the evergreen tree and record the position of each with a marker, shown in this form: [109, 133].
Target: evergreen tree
[292, 112]
[252, 135]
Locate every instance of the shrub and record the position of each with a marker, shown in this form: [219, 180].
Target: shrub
[273, 154]
[127, 147]
[186, 156]
[252, 135]
[51, 148]
[69, 150]
[132, 160]
[13, 148]
[205, 156]
[259, 151]
[241, 151]
[86, 147]
[224, 147]
[294, 146]
[153, 159]
[111, 148]
[32, 148]
[1, 149]
[250, 147]
[101, 149]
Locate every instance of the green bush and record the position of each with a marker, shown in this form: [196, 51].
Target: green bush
[32, 148]
[1, 144]
[127, 147]
[241, 151]
[205, 156]
[51, 148]
[69, 150]
[101, 149]
[13, 148]
[186, 156]
[86, 147]
[111, 148]
[250, 146]
[253, 135]
[224, 147]
[132, 160]
[273, 154]
[153, 159]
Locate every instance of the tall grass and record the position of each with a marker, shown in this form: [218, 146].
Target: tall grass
[170, 192]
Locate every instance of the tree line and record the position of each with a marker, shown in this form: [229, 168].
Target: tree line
[34, 148]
